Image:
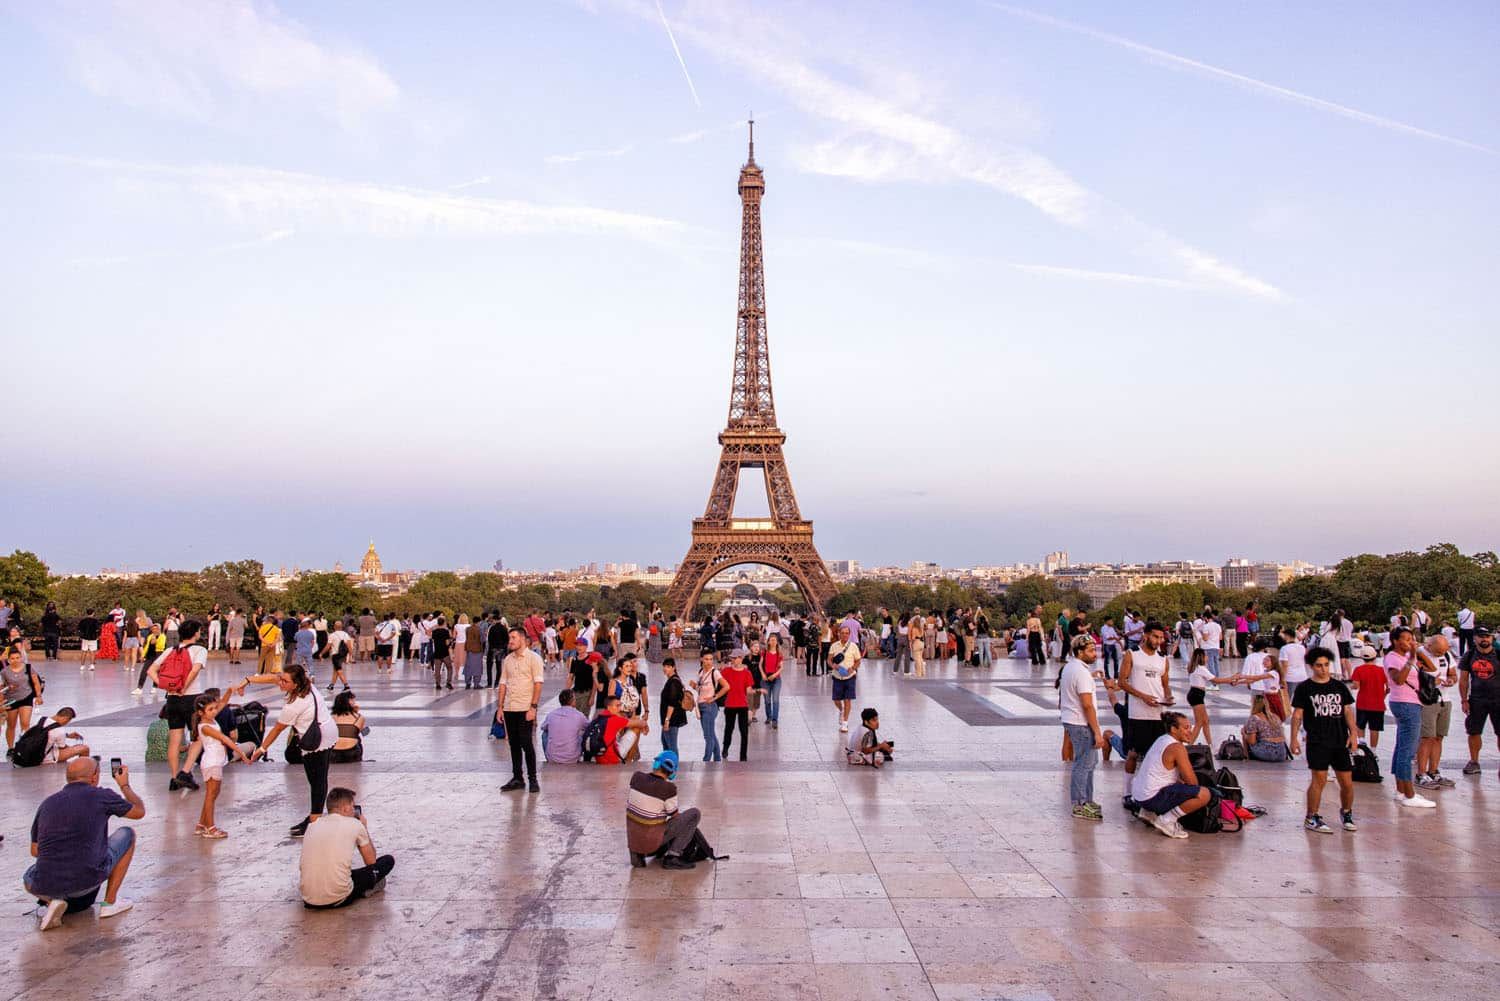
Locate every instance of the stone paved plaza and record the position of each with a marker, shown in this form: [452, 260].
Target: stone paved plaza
[955, 874]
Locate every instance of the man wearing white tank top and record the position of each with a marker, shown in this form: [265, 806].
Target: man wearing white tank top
[1143, 677]
[1165, 785]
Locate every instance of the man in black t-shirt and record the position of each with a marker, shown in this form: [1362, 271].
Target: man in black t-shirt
[1479, 692]
[628, 629]
[442, 654]
[1324, 707]
[584, 683]
[88, 639]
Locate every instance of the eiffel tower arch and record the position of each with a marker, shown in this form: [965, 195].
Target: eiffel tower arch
[751, 439]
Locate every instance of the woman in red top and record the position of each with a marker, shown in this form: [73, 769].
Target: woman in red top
[770, 670]
[737, 705]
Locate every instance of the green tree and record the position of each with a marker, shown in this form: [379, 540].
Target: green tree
[23, 582]
[239, 584]
[329, 593]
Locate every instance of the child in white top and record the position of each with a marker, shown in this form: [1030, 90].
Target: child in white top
[216, 749]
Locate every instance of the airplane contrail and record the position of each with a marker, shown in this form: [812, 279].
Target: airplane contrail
[680, 61]
[1249, 82]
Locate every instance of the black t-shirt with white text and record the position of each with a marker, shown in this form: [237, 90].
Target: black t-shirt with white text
[1323, 705]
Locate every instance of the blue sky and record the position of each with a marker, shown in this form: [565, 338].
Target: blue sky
[1172, 281]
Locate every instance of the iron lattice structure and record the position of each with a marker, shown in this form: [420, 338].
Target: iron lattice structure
[751, 440]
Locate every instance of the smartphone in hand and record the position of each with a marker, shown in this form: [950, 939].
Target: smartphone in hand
[115, 764]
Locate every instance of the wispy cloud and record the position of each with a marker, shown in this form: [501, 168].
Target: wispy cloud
[678, 52]
[474, 183]
[210, 59]
[587, 154]
[699, 134]
[1248, 82]
[265, 240]
[286, 200]
[926, 260]
[892, 142]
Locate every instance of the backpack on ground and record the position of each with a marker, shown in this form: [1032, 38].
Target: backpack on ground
[974, 658]
[31, 746]
[1200, 757]
[1218, 817]
[1366, 765]
[1232, 749]
[172, 675]
[594, 744]
[699, 850]
[156, 740]
[1227, 784]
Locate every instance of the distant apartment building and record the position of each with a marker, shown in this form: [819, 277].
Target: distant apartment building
[843, 568]
[1103, 584]
[1238, 573]
[1053, 562]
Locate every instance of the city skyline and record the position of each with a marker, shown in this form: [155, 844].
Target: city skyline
[283, 270]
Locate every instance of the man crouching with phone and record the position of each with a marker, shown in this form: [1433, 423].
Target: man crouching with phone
[329, 878]
[75, 852]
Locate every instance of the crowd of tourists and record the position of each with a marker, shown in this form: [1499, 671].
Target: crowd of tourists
[1319, 691]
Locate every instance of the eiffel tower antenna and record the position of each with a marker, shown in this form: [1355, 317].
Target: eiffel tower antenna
[751, 439]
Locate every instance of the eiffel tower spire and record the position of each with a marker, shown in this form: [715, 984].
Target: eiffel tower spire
[751, 439]
[750, 401]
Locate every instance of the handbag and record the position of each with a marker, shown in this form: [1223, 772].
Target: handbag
[1427, 687]
[497, 726]
[313, 736]
[688, 702]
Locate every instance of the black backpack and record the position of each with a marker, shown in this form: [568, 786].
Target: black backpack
[1232, 749]
[1210, 819]
[699, 850]
[1200, 757]
[593, 737]
[1185, 630]
[1366, 765]
[31, 746]
[1227, 784]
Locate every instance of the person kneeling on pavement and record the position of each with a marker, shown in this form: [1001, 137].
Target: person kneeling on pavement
[653, 824]
[329, 878]
[865, 746]
[1164, 786]
[74, 849]
[47, 743]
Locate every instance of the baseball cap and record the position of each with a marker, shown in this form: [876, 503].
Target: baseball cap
[1368, 652]
[594, 657]
[666, 761]
[1483, 631]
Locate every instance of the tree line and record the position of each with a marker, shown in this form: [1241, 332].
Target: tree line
[1367, 587]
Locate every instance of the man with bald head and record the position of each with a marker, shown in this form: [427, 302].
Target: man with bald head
[74, 850]
[1435, 659]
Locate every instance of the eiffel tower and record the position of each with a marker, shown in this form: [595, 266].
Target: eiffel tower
[751, 440]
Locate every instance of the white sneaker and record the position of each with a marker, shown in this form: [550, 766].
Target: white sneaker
[843, 726]
[83, 667]
[120, 906]
[1419, 802]
[91, 667]
[52, 914]
[135, 691]
[1168, 826]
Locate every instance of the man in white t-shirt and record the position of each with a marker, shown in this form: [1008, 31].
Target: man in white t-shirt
[1210, 635]
[1077, 688]
[179, 709]
[1293, 658]
[328, 876]
[1465, 630]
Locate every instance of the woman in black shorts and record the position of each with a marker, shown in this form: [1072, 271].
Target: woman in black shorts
[21, 689]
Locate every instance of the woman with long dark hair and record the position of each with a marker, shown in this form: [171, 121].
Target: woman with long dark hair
[314, 734]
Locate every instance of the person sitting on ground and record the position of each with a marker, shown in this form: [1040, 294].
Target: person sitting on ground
[1264, 738]
[74, 849]
[622, 734]
[865, 746]
[1164, 785]
[329, 878]
[350, 747]
[47, 743]
[562, 731]
[653, 823]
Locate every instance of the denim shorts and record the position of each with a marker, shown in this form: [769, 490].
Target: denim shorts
[843, 689]
[1169, 798]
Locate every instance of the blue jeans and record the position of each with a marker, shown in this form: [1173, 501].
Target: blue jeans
[773, 701]
[669, 738]
[1212, 653]
[708, 716]
[121, 840]
[1408, 727]
[1085, 754]
[424, 653]
[1111, 656]
[984, 652]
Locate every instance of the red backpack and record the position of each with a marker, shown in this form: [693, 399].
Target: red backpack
[172, 676]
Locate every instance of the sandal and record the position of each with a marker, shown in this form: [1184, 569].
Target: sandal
[215, 834]
[198, 830]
